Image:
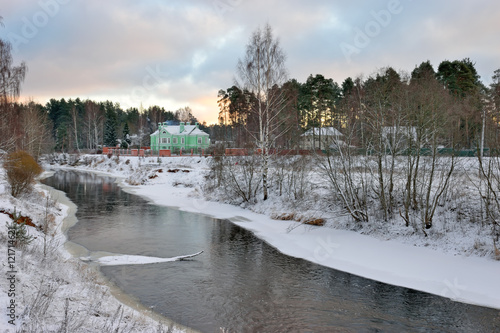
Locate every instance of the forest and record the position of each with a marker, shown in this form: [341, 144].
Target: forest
[454, 96]
[76, 126]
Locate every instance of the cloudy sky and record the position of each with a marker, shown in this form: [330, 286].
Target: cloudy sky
[176, 53]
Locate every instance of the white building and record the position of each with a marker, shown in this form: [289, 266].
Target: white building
[321, 138]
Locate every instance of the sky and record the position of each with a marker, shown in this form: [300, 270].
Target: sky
[180, 53]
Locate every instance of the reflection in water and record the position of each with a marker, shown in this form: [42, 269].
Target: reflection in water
[240, 282]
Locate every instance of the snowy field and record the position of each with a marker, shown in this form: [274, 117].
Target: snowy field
[451, 264]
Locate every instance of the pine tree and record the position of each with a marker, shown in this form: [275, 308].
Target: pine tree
[19, 230]
[126, 137]
[110, 136]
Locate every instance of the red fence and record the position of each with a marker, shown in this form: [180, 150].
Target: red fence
[281, 152]
[132, 152]
[148, 152]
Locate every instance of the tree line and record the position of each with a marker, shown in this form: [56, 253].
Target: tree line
[88, 124]
[77, 125]
[363, 107]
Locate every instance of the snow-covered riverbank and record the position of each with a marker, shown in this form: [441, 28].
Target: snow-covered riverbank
[49, 290]
[444, 271]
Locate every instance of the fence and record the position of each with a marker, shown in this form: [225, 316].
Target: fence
[281, 152]
[147, 152]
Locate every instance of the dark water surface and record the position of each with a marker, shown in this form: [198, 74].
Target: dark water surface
[240, 283]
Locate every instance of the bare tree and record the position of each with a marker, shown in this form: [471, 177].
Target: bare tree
[35, 124]
[489, 166]
[428, 171]
[74, 125]
[383, 119]
[262, 72]
[11, 78]
[348, 174]
[185, 114]
[94, 120]
[237, 176]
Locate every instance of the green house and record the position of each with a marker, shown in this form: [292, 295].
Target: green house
[176, 137]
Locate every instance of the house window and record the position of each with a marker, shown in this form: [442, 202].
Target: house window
[168, 140]
[164, 140]
[199, 141]
[175, 141]
[182, 141]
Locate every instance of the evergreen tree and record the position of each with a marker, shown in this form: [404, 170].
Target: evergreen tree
[423, 71]
[463, 82]
[320, 96]
[459, 76]
[22, 237]
[60, 114]
[495, 89]
[110, 136]
[347, 87]
[126, 137]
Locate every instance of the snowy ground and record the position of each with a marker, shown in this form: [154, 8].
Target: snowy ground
[54, 292]
[454, 262]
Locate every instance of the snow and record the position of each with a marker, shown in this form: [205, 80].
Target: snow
[125, 259]
[445, 265]
[323, 131]
[465, 279]
[176, 130]
[54, 291]
[4, 299]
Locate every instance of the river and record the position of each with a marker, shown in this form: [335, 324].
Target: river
[240, 283]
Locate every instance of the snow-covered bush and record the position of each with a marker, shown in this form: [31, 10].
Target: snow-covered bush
[488, 187]
[291, 176]
[238, 177]
[349, 179]
[19, 231]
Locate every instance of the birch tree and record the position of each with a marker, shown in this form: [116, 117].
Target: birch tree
[262, 72]
[489, 166]
[74, 127]
[94, 119]
[11, 78]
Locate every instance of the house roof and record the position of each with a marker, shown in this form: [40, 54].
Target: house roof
[176, 130]
[323, 131]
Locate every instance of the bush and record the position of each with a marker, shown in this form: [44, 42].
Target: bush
[22, 169]
[19, 230]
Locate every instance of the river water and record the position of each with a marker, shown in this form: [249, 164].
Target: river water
[239, 283]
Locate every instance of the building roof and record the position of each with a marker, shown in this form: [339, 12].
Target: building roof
[323, 131]
[176, 130]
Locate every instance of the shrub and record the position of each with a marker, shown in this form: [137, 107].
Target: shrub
[19, 230]
[21, 169]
